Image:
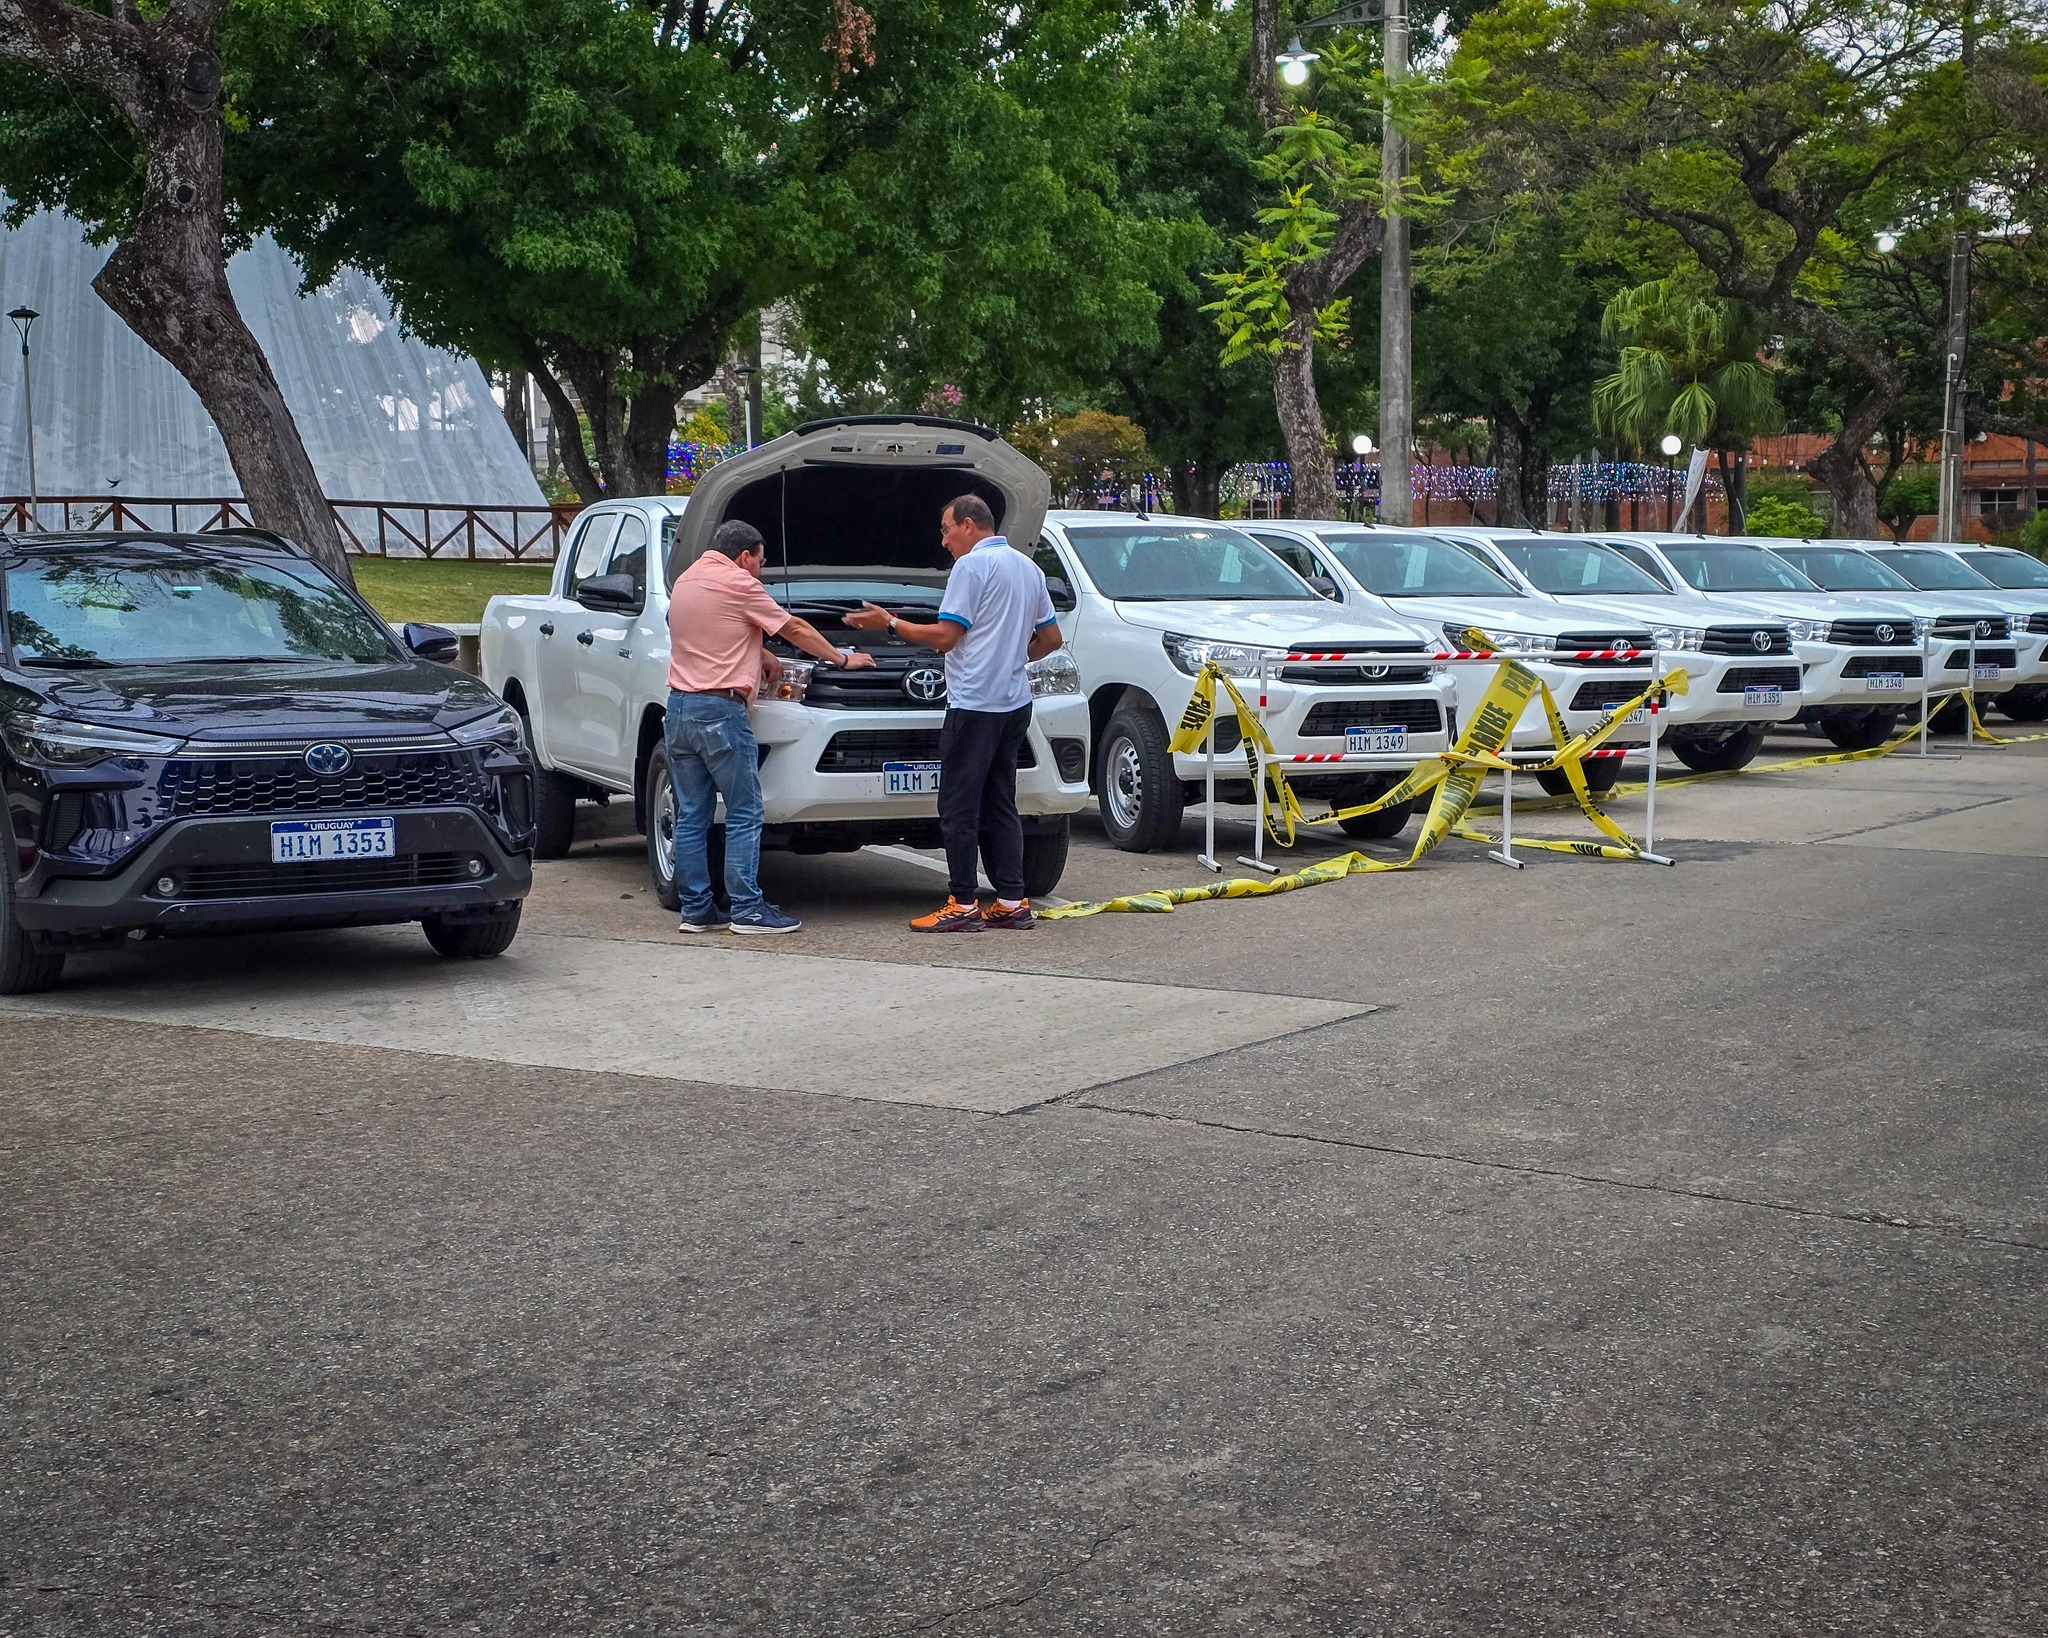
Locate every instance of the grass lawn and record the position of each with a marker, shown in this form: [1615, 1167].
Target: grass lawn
[446, 592]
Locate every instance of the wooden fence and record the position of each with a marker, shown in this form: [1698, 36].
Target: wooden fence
[518, 534]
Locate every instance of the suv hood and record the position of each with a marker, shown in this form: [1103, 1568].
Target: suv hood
[1816, 605]
[225, 704]
[1272, 625]
[860, 497]
[1495, 614]
[1673, 609]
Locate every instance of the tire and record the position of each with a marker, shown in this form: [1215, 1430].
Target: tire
[1724, 755]
[1371, 827]
[554, 801]
[659, 795]
[1045, 858]
[1948, 717]
[25, 965]
[1135, 785]
[473, 940]
[1603, 773]
[1860, 730]
[2025, 704]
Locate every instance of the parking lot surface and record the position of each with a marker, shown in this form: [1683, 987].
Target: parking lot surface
[1597, 1248]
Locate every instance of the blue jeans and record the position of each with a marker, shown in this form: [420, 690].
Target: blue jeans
[711, 754]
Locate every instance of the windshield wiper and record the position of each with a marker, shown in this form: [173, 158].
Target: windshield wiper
[68, 662]
[238, 659]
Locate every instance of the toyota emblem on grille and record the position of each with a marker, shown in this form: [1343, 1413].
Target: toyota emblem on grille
[328, 759]
[925, 684]
[1377, 670]
[1885, 634]
[1760, 641]
[1983, 628]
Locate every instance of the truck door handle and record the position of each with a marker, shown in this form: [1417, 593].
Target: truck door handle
[547, 628]
[585, 638]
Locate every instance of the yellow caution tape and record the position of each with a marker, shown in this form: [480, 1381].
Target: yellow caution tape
[1977, 723]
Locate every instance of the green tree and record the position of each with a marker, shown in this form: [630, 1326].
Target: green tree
[1688, 365]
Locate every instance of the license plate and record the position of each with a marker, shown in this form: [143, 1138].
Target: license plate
[1762, 698]
[1635, 718]
[1985, 673]
[910, 778]
[1883, 682]
[313, 841]
[1363, 741]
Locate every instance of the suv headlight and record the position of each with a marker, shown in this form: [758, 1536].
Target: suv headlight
[1190, 654]
[501, 727]
[57, 742]
[1685, 639]
[1808, 631]
[1501, 642]
[1923, 626]
[1055, 674]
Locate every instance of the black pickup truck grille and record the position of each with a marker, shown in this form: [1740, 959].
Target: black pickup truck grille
[1330, 718]
[218, 787]
[1736, 678]
[1985, 627]
[1743, 640]
[865, 750]
[1877, 665]
[1874, 634]
[261, 881]
[1576, 640]
[1605, 696]
[1375, 671]
[1960, 660]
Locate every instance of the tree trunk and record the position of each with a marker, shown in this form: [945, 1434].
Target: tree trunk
[1311, 467]
[1506, 455]
[516, 386]
[168, 278]
[566, 431]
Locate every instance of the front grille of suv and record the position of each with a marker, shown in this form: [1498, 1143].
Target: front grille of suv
[1984, 627]
[1742, 640]
[1603, 640]
[1877, 665]
[1330, 718]
[213, 787]
[865, 750]
[1604, 696]
[1871, 634]
[1960, 660]
[262, 881]
[1375, 672]
[876, 689]
[1739, 677]
[2036, 624]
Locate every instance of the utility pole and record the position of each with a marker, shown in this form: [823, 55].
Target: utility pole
[1949, 521]
[1397, 372]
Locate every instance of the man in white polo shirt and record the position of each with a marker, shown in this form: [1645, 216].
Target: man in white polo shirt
[995, 616]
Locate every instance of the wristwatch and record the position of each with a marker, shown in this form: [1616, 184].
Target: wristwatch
[892, 625]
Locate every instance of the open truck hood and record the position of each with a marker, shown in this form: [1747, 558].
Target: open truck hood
[859, 497]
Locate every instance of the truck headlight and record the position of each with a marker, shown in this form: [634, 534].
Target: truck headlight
[57, 742]
[501, 727]
[1190, 654]
[1683, 639]
[1055, 674]
[1808, 631]
[1501, 642]
[1923, 626]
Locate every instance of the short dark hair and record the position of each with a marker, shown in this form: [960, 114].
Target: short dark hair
[736, 539]
[972, 509]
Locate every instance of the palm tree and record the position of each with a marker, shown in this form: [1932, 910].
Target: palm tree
[1689, 364]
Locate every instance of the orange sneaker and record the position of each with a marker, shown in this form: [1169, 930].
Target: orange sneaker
[1017, 917]
[955, 917]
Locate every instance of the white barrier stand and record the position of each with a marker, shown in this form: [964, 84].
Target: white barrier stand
[1505, 853]
[1208, 854]
[1257, 857]
[1649, 854]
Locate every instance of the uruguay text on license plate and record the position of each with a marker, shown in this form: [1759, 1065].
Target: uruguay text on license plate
[1361, 741]
[1882, 682]
[307, 841]
[1754, 698]
[910, 778]
[1986, 673]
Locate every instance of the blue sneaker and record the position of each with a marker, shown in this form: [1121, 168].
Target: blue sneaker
[712, 921]
[765, 919]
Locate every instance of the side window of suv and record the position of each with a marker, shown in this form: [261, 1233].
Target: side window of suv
[1059, 579]
[1291, 552]
[629, 554]
[587, 552]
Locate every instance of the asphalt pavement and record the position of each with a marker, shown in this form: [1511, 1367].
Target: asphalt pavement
[1595, 1248]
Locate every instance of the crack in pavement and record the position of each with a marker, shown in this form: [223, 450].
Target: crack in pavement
[1874, 1219]
[1016, 1600]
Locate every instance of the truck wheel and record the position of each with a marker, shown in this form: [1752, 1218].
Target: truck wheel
[25, 965]
[473, 940]
[1859, 730]
[1377, 827]
[2025, 704]
[1723, 755]
[1139, 792]
[659, 791]
[1603, 773]
[554, 799]
[1045, 858]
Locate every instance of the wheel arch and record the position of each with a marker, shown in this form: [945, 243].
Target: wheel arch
[651, 734]
[1103, 704]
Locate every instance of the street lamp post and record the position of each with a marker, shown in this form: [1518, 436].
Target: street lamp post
[1949, 524]
[24, 320]
[1670, 445]
[1361, 446]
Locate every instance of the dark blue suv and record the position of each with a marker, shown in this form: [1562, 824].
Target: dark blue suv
[206, 733]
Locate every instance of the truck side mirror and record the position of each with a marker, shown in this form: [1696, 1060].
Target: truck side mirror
[435, 643]
[1062, 595]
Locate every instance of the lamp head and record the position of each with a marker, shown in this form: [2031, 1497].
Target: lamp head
[1672, 443]
[23, 317]
[1887, 243]
[1294, 62]
[1361, 445]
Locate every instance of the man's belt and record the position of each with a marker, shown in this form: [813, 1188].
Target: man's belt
[741, 695]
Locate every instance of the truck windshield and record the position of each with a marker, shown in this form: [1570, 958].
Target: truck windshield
[1735, 569]
[2013, 570]
[1844, 571]
[138, 606]
[1137, 563]
[1935, 571]
[1415, 566]
[1578, 568]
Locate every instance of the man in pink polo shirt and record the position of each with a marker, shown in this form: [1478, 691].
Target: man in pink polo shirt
[718, 612]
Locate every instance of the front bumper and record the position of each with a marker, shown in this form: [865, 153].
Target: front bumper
[1950, 661]
[1584, 695]
[226, 880]
[807, 779]
[1837, 676]
[1308, 725]
[1718, 690]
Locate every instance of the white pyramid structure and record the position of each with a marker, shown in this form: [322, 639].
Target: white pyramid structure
[384, 416]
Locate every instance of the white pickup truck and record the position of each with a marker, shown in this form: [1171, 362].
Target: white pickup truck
[850, 511]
